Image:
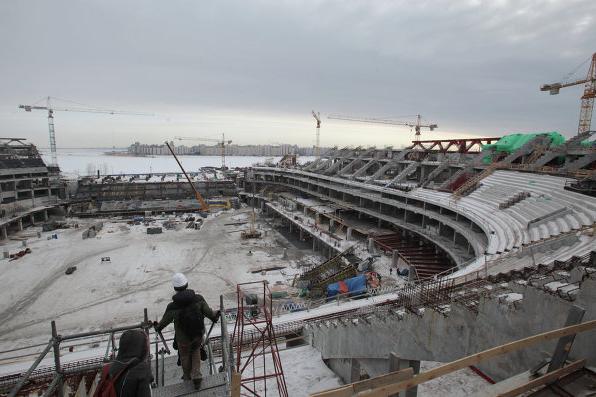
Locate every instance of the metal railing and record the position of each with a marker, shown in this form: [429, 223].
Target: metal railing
[59, 372]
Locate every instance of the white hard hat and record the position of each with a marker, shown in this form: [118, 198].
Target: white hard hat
[179, 280]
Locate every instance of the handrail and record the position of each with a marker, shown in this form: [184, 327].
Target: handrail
[24, 378]
[54, 344]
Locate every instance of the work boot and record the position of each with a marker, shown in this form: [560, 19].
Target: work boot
[197, 383]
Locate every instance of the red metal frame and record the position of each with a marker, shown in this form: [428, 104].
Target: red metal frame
[463, 145]
[254, 325]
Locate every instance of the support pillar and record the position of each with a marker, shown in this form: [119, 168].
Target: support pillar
[396, 364]
[394, 258]
[371, 245]
[45, 215]
[32, 218]
[3, 233]
[331, 225]
[349, 234]
[301, 235]
[20, 223]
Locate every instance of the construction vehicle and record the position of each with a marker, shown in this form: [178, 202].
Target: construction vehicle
[317, 117]
[587, 103]
[417, 125]
[221, 143]
[204, 207]
[51, 109]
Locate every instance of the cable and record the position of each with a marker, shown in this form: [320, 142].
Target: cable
[568, 76]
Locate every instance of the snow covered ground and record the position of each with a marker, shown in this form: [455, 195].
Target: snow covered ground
[34, 289]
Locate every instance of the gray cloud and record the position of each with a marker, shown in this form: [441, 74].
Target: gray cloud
[255, 69]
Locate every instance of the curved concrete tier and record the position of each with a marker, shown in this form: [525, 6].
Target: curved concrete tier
[471, 227]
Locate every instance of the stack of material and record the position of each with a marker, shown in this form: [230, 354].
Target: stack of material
[154, 230]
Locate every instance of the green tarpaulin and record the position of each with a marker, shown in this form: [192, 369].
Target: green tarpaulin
[512, 142]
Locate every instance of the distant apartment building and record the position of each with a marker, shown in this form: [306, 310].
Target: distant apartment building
[141, 149]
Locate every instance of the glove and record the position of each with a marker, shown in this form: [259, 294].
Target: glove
[155, 323]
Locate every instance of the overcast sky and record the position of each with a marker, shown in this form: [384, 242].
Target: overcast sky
[255, 69]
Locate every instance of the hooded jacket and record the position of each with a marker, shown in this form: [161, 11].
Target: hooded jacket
[132, 357]
[181, 300]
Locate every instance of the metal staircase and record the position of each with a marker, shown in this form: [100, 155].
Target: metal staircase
[526, 149]
[436, 172]
[363, 169]
[472, 183]
[580, 163]
[390, 165]
[409, 170]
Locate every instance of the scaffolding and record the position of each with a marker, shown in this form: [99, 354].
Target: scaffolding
[254, 325]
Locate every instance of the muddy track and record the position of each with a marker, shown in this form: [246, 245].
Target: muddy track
[74, 309]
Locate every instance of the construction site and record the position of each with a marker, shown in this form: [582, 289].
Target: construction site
[456, 267]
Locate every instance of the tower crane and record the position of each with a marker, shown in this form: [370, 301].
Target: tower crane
[317, 117]
[51, 109]
[221, 143]
[587, 104]
[417, 125]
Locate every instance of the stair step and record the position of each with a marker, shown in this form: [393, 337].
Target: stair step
[212, 386]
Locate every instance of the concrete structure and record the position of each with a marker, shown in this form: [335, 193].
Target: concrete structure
[473, 318]
[155, 186]
[28, 188]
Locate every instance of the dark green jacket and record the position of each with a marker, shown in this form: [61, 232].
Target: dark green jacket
[179, 301]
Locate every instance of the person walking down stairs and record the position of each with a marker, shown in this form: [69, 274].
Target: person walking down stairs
[188, 310]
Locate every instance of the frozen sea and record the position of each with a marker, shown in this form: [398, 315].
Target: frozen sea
[88, 161]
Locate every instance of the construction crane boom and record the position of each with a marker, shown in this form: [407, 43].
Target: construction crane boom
[51, 109]
[587, 99]
[417, 125]
[317, 117]
[202, 202]
[222, 143]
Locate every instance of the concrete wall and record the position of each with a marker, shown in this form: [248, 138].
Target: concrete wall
[435, 337]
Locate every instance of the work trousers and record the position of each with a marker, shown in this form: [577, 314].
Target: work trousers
[190, 359]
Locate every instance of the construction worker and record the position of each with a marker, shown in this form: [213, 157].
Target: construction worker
[187, 310]
[129, 375]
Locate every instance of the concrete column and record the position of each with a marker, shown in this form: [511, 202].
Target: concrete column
[379, 222]
[301, 234]
[314, 243]
[290, 227]
[20, 223]
[331, 225]
[32, 218]
[348, 369]
[3, 233]
[349, 234]
[396, 364]
[371, 245]
[305, 210]
[394, 258]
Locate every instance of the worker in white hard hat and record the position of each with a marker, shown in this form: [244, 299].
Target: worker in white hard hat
[187, 310]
